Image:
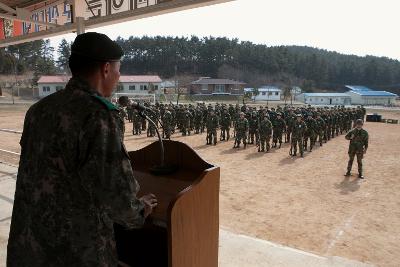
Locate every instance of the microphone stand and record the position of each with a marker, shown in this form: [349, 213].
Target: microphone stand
[162, 169]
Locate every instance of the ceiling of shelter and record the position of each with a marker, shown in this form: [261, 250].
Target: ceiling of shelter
[22, 3]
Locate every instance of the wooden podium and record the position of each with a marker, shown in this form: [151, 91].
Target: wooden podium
[183, 229]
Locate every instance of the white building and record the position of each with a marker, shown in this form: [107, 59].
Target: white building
[51, 84]
[325, 98]
[361, 95]
[135, 84]
[266, 93]
[140, 84]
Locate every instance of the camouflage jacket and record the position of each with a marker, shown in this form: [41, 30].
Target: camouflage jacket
[299, 128]
[242, 126]
[358, 140]
[265, 127]
[74, 181]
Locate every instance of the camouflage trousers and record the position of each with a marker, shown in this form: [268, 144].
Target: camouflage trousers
[264, 142]
[137, 130]
[224, 133]
[240, 137]
[297, 141]
[211, 136]
[277, 136]
[253, 134]
[359, 161]
[167, 132]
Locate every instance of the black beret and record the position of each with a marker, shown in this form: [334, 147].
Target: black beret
[96, 46]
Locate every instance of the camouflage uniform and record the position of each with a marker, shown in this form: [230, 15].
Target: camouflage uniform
[137, 123]
[212, 125]
[225, 124]
[253, 128]
[74, 182]
[168, 124]
[265, 131]
[358, 144]
[241, 129]
[299, 129]
[279, 127]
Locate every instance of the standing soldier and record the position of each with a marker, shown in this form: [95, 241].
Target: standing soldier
[290, 119]
[198, 120]
[321, 126]
[358, 146]
[212, 125]
[241, 129]
[311, 132]
[225, 124]
[279, 128]
[299, 129]
[153, 115]
[265, 131]
[137, 123]
[253, 128]
[168, 124]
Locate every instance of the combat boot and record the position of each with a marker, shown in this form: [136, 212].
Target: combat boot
[280, 144]
[360, 176]
[347, 173]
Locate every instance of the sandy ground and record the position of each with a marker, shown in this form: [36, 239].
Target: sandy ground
[305, 203]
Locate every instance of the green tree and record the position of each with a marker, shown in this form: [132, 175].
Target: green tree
[64, 51]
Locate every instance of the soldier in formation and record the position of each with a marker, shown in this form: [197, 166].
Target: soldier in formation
[250, 124]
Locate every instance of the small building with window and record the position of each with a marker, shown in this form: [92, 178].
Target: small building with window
[139, 84]
[135, 84]
[210, 86]
[51, 84]
[266, 93]
[325, 98]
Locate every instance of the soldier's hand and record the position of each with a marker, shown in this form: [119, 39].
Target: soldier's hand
[150, 202]
[365, 151]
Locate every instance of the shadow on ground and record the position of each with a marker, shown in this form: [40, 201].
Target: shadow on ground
[348, 186]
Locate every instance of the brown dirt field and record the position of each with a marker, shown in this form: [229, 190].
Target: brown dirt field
[304, 203]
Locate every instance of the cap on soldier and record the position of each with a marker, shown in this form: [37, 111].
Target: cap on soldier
[96, 46]
[359, 122]
[298, 115]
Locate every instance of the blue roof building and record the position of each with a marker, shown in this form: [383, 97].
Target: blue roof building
[361, 95]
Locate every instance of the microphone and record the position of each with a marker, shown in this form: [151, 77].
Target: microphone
[162, 168]
[139, 107]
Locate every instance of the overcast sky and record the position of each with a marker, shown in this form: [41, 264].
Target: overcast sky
[360, 27]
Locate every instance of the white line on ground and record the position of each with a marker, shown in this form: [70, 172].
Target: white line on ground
[11, 152]
[11, 131]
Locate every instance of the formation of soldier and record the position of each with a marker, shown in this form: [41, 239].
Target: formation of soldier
[266, 128]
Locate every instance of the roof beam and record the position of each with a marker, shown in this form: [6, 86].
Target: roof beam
[51, 25]
[7, 8]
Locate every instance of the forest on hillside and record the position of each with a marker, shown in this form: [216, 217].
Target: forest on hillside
[255, 64]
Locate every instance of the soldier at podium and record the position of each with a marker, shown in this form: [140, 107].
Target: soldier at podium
[75, 178]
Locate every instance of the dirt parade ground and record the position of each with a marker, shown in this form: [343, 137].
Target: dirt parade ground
[304, 203]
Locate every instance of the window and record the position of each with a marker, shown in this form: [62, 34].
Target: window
[145, 87]
[132, 87]
[263, 93]
[156, 87]
[276, 93]
[46, 88]
[220, 88]
[204, 87]
[58, 88]
[310, 99]
[322, 99]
